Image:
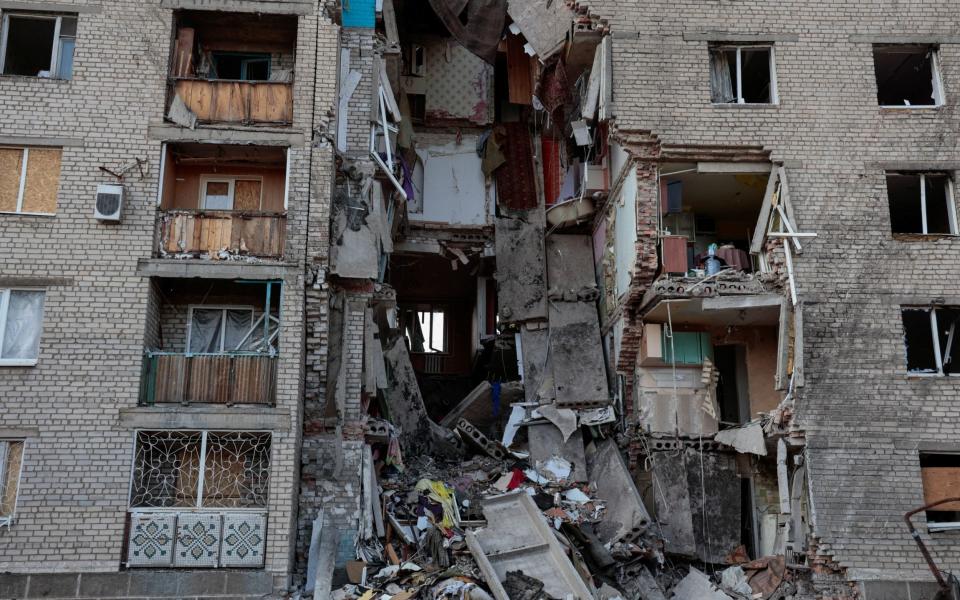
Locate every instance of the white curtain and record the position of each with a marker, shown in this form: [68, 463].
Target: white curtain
[721, 83]
[24, 321]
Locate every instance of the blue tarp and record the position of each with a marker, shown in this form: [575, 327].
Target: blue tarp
[359, 13]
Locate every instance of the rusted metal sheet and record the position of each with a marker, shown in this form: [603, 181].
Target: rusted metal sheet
[237, 101]
[210, 232]
[210, 379]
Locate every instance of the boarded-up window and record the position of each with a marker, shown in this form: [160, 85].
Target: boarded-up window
[941, 480]
[247, 194]
[29, 180]
[11, 459]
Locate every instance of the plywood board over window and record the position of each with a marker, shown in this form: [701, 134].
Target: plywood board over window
[247, 194]
[29, 180]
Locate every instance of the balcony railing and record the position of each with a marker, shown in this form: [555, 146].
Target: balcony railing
[197, 233]
[196, 539]
[221, 101]
[235, 378]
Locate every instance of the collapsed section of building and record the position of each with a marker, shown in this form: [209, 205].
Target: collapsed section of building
[562, 356]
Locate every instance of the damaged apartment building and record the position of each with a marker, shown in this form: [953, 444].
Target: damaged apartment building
[478, 299]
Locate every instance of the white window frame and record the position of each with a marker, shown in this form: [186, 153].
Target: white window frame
[23, 180]
[223, 319]
[198, 503]
[7, 520]
[431, 309]
[231, 181]
[951, 204]
[774, 94]
[4, 306]
[54, 53]
[939, 98]
[937, 353]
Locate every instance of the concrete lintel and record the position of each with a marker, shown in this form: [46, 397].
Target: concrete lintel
[50, 6]
[741, 302]
[915, 165]
[19, 432]
[210, 135]
[905, 38]
[935, 446]
[923, 301]
[14, 140]
[733, 167]
[417, 247]
[230, 418]
[16, 281]
[158, 267]
[733, 36]
[278, 7]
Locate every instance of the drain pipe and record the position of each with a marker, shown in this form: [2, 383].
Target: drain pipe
[945, 591]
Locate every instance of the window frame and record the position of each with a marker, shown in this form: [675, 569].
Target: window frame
[935, 332]
[738, 83]
[55, 50]
[939, 94]
[951, 201]
[4, 307]
[5, 443]
[445, 310]
[231, 181]
[25, 150]
[935, 526]
[223, 329]
[245, 59]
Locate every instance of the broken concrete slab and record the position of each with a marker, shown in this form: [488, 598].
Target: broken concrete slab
[546, 441]
[570, 263]
[747, 439]
[639, 584]
[517, 539]
[576, 354]
[672, 503]
[564, 418]
[355, 249]
[544, 23]
[697, 586]
[481, 393]
[537, 375]
[626, 517]
[521, 279]
[475, 437]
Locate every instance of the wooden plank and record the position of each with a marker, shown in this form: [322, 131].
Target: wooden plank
[11, 164]
[43, 181]
[940, 483]
[229, 101]
[519, 76]
[760, 232]
[247, 194]
[270, 102]
[183, 53]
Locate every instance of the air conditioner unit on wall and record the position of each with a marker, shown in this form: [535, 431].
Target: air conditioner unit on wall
[109, 203]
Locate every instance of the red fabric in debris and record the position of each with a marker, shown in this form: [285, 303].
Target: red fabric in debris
[516, 189]
[516, 480]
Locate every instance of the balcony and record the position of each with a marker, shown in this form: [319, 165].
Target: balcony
[211, 342]
[232, 68]
[182, 378]
[219, 202]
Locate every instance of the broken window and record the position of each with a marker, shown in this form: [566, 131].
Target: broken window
[742, 75]
[21, 321]
[38, 45]
[940, 474]
[11, 461]
[215, 330]
[907, 75]
[921, 203]
[426, 330]
[241, 66]
[932, 339]
[29, 180]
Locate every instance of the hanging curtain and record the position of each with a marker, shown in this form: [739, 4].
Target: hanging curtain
[205, 330]
[238, 323]
[721, 83]
[21, 338]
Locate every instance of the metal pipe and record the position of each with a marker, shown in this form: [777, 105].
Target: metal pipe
[941, 581]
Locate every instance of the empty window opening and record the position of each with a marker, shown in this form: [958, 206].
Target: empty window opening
[240, 66]
[940, 474]
[38, 45]
[21, 321]
[29, 180]
[921, 203]
[426, 330]
[742, 75]
[932, 339]
[907, 76]
[11, 463]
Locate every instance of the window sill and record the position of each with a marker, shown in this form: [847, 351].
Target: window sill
[920, 107]
[923, 237]
[33, 78]
[942, 527]
[28, 214]
[10, 362]
[737, 105]
[931, 375]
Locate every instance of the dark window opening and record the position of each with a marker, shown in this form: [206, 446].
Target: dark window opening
[921, 203]
[742, 75]
[418, 107]
[924, 354]
[242, 67]
[29, 48]
[906, 76]
[940, 474]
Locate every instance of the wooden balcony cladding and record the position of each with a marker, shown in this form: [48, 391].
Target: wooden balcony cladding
[215, 101]
[173, 378]
[211, 233]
